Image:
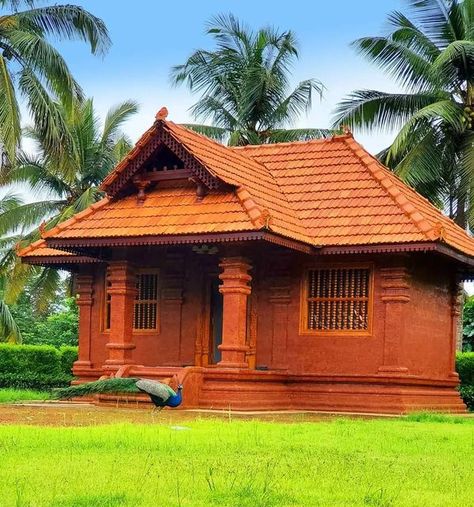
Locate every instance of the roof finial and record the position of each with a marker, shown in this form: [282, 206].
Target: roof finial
[162, 114]
[346, 130]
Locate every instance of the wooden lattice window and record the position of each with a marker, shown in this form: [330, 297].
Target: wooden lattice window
[145, 308]
[337, 300]
[145, 314]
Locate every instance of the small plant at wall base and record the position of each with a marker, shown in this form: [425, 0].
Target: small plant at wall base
[465, 369]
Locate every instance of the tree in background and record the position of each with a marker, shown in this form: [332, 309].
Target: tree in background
[67, 180]
[245, 85]
[31, 68]
[430, 53]
[57, 325]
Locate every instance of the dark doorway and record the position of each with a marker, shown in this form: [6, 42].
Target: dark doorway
[215, 325]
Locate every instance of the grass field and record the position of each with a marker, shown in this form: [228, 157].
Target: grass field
[419, 461]
[12, 395]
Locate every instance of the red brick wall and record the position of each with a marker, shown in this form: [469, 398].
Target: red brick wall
[425, 344]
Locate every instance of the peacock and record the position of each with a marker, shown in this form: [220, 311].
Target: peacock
[162, 395]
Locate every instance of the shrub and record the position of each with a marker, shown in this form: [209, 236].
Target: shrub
[465, 367]
[67, 357]
[34, 366]
[467, 394]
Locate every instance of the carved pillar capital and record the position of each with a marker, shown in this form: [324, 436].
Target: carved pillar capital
[84, 289]
[235, 277]
[122, 278]
[395, 285]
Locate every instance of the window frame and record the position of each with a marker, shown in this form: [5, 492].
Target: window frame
[150, 271]
[304, 299]
[105, 303]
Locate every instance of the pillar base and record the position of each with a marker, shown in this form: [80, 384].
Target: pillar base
[228, 364]
[82, 364]
[393, 369]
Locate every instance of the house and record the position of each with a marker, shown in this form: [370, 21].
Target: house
[299, 275]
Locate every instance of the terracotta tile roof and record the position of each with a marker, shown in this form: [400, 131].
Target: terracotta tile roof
[324, 193]
[39, 249]
[344, 196]
[165, 211]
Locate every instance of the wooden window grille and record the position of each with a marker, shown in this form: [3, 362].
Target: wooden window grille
[145, 309]
[145, 314]
[338, 299]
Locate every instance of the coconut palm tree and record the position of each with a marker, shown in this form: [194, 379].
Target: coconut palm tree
[68, 182]
[430, 53]
[245, 85]
[31, 68]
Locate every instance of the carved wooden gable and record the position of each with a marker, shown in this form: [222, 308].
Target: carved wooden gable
[157, 157]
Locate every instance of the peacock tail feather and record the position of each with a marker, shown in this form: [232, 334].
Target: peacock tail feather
[112, 385]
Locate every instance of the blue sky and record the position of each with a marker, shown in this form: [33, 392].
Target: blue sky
[150, 36]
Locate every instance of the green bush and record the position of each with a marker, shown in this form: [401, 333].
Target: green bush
[465, 367]
[34, 366]
[68, 355]
[467, 394]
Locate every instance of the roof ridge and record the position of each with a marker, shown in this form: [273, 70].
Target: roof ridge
[77, 217]
[254, 212]
[382, 176]
[337, 137]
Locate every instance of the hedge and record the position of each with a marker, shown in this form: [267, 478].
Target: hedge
[465, 369]
[35, 366]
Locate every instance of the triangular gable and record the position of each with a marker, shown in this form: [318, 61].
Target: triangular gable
[147, 145]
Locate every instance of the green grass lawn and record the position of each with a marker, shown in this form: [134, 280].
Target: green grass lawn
[424, 461]
[12, 395]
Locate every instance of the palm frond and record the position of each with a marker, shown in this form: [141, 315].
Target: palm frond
[45, 288]
[9, 330]
[69, 22]
[45, 111]
[25, 216]
[9, 112]
[445, 111]
[368, 110]
[115, 118]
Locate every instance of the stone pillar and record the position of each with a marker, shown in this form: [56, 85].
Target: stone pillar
[85, 300]
[395, 296]
[235, 290]
[280, 298]
[122, 290]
